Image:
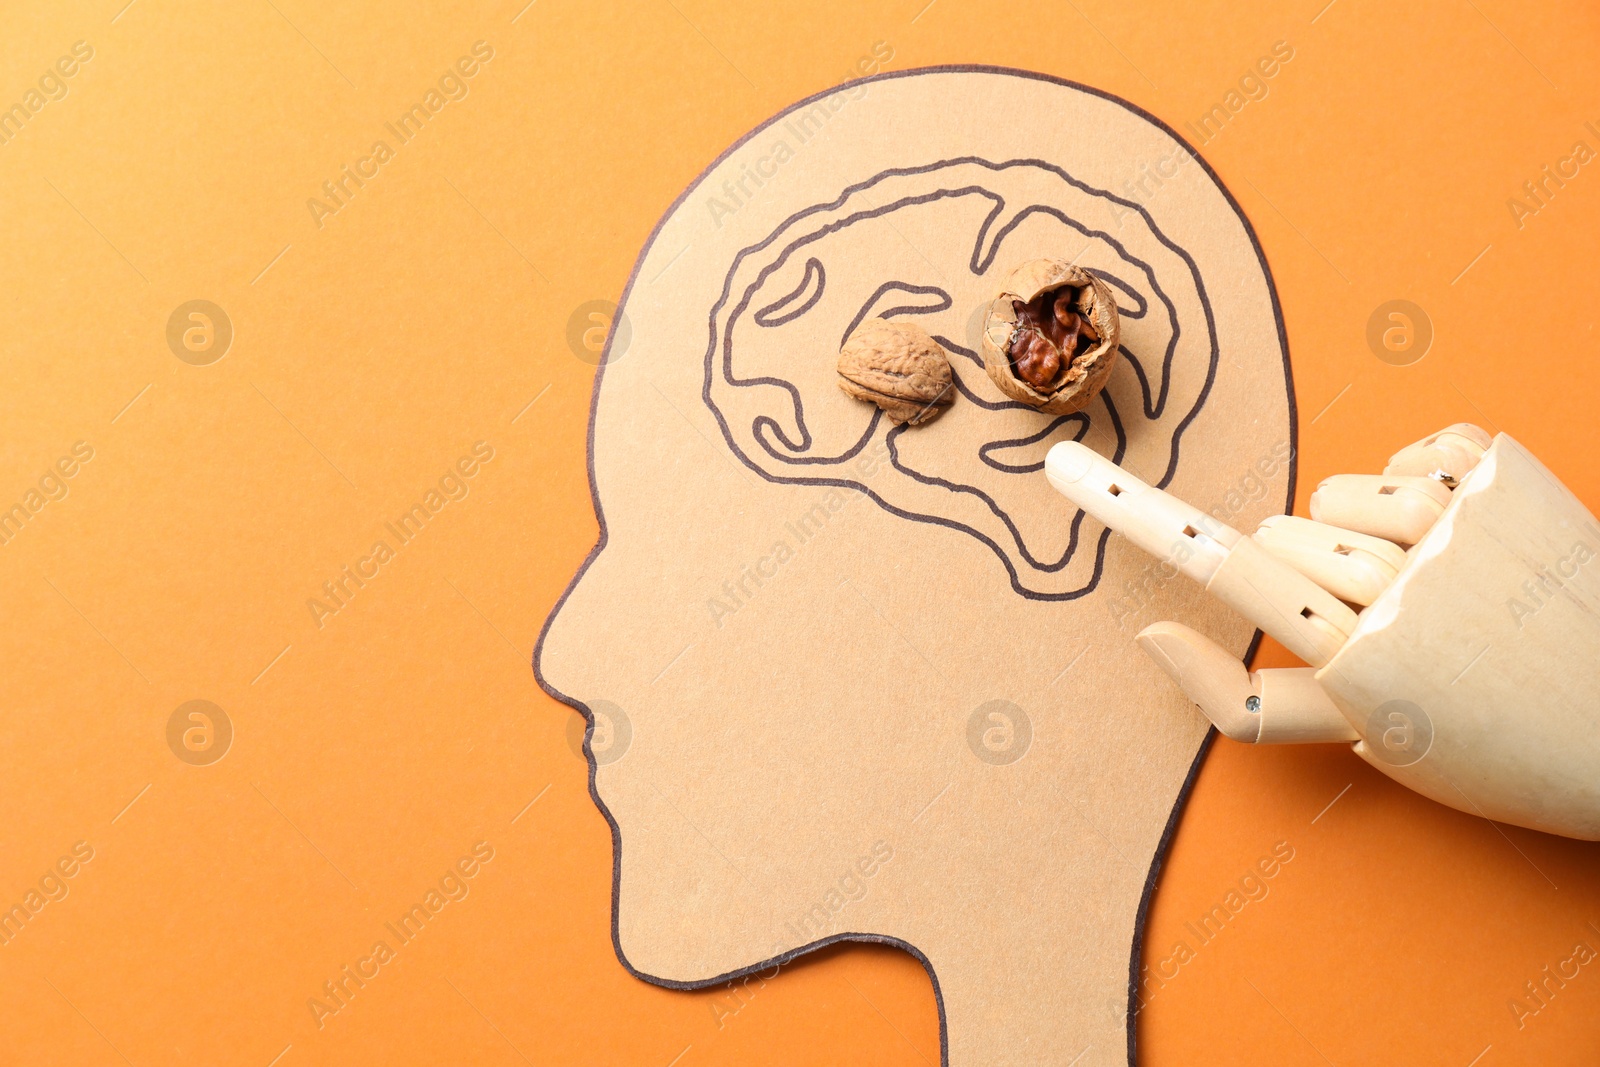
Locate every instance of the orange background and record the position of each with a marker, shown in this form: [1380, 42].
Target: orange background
[370, 353]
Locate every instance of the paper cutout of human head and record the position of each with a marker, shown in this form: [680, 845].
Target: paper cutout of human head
[851, 680]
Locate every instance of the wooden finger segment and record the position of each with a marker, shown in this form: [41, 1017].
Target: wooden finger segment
[1284, 706]
[1309, 621]
[1477, 436]
[1295, 710]
[1354, 567]
[1207, 674]
[1398, 508]
[1159, 523]
[1446, 456]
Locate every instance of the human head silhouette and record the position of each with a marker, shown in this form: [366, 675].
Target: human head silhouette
[873, 679]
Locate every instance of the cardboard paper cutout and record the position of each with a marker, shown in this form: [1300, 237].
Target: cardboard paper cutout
[853, 681]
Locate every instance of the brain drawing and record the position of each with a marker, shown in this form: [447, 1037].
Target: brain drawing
[930, 244]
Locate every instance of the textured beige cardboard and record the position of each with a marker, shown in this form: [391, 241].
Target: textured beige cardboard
[848, 683]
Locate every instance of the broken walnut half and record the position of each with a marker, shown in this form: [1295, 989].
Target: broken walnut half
[1050, 338]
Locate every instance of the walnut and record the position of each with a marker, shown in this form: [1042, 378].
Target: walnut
[898, 367]
[1050, 339]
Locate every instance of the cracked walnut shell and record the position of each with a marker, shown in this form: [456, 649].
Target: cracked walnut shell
[1050, 338]
[898, 367]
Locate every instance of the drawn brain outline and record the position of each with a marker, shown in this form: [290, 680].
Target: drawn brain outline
[789, 301]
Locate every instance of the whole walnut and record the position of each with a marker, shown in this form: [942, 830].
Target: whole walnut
[1050, 338]
[898, 367]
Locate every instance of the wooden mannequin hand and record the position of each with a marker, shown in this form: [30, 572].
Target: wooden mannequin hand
[1392, 634]
[1293, 578]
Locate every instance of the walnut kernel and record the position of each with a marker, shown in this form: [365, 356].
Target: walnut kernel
[1050, 339]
